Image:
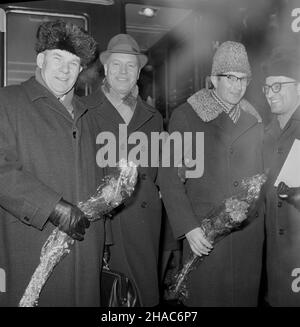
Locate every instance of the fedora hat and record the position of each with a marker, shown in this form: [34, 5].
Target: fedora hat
[123, 43]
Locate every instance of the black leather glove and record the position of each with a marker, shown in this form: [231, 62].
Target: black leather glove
[69, 219]
[289, 194]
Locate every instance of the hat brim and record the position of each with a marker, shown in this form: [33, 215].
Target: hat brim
[142, 58]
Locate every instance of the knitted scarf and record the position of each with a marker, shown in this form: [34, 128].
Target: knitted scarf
[130, 99]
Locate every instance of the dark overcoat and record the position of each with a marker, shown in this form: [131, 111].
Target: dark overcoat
[136, 228]
[282, 219]
[45, 155]
[230, 274]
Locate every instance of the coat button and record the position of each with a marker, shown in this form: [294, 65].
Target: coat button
[236, 183]
[231, 150]
[281, 231]
[279, 204]
[144, 204]
[279, 150]
[256, 214]
[144, 176]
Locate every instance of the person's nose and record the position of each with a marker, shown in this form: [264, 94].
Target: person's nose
[64, 67]
[239, 84]
[270, 93]
[123, 69]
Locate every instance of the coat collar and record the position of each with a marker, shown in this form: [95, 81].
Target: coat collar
[296, 114]
[207, 108]
[245, 122]
[274, 130]
[210, 111]
[275, 124]
[36, 91]
[143, 113]
[103, 107]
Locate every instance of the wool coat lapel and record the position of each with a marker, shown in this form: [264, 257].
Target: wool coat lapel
[141, 115]
[106, 111]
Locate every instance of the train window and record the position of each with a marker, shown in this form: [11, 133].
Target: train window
[19, 40]
[152, 26]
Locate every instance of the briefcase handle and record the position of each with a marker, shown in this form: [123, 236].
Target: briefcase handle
[106, 257]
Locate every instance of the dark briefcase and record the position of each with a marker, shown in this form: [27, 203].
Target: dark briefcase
[117, 290]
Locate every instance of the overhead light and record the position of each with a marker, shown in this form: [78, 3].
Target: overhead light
[97, 2]
[148, 12]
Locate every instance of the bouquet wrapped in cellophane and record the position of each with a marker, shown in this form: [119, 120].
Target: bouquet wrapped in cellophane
[113, 191]
[220, 222]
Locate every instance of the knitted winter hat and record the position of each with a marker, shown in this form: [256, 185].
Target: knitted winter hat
[283, 62]
[66, 36]
[230, 57]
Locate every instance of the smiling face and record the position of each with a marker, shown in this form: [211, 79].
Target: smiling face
[122, 72]
[284, 102]
[231, 92]
[59, 69]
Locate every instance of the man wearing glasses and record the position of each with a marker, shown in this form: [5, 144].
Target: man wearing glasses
[282, 91]
[230, 274]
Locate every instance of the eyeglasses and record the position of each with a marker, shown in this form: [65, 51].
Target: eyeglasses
[232, 79]
[275, 87]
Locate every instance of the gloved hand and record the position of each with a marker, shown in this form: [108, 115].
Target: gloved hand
[289, 194]
[69, 219]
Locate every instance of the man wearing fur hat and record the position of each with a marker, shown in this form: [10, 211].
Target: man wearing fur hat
[136, 228]
[46, 167]
[282, 91]
[230, 274]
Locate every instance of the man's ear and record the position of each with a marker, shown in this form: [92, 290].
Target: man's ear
[40, 59]
[105, 69]
[298, 89]
[214, 80]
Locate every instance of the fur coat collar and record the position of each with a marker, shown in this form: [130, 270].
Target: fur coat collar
[207, 108]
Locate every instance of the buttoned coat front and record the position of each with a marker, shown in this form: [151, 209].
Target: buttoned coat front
[230, 274]
[136, 227]
[45, 155]
[282, 219]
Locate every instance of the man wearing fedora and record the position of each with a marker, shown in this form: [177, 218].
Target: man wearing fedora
[136, 228]
[47, 165]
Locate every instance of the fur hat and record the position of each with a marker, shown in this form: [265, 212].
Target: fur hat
[66, 36]
[230, 57]
[123, 43]
[283, 62]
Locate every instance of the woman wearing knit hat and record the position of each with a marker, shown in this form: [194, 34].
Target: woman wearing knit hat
[47, 166]
[230, 274]
[282, 91]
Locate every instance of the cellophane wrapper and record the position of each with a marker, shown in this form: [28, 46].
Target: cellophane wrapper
[220, 222]
[113, 191]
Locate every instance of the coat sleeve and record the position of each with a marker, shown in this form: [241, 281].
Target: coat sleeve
[21, 194]
[178, 207]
